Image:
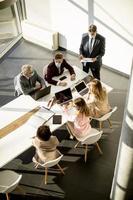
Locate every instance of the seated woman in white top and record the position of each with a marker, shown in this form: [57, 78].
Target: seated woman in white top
[45, 144]
[97, 99]
[79, 124]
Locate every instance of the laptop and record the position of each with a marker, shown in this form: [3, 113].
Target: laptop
[87, 79]
[43, 92]
[81, 88]
[64, 96]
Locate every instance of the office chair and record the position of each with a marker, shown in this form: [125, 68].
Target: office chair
[105, 117]
[45, 70]
[48, 164]
[17, 86]
[92, 138]
[9, 180]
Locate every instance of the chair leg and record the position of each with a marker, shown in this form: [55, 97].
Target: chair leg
[69, 130]
[46, 174]
[36, 165]
[110, 124]
[76, 144]
[100, 125]
[86, 150]
[62, 171]
[99, 149]
[7, 196]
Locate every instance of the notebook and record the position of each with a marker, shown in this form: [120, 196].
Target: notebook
[41, 93]
[64, 96]
[57, 119]
[40, 117]
[86, 60]
[81, 88]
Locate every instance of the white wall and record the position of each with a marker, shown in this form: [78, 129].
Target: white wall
[70, 19]
[114, 21]
[39, 13]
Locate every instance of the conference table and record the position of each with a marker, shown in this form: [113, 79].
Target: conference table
[15, 131]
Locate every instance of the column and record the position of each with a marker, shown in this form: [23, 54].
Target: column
[122, 187]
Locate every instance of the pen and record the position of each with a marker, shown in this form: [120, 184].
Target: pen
[50, 103]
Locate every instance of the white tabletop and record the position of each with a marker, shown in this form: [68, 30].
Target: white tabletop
[80, 74]
[15, 109]
[19, 140]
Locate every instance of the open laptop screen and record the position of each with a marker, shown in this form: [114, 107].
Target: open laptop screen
[41, 93]
[80, 86]
[64, 96]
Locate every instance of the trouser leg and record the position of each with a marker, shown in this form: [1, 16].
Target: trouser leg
[85, 67]
[96, 71]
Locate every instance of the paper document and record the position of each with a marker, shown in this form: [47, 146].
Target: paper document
[86, 60]
[40, 117]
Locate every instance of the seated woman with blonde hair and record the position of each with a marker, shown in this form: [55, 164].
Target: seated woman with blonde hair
[78, 125]
[97, 99]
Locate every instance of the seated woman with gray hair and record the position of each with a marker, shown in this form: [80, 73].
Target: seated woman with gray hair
[28, 81]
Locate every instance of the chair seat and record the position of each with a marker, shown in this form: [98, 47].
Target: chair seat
[48, 164]
[91, 138]
[105, 117]
[9, 180]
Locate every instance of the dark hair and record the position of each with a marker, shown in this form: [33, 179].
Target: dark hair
[43, 132]
[92, 28]
[58, 56]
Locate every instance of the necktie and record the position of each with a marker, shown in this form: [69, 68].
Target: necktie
[91, 47]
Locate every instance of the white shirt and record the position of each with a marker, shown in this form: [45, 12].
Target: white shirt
[91, 46]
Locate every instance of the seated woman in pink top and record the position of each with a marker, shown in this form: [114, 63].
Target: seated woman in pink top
[97, 100]
[45, 144]
[79, 125]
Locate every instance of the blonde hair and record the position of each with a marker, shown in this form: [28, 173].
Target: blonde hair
[97, 89]
[82, 106]
[26, 69]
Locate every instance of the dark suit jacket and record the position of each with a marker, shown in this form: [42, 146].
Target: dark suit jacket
[52, 71]
[98, 48]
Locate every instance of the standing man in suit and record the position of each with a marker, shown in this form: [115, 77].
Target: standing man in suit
[56, 68]
[92, 46]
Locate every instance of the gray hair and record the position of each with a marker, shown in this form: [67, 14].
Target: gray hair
[26, 68]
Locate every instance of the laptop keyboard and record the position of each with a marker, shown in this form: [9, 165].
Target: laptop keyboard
[83, 92]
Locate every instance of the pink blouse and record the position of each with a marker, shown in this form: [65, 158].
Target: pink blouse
[79, 124]
[82, 125]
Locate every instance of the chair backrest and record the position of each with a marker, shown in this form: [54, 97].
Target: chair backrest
[17, 85]
[107, 115]
[9, 181]
[51, 163]
[93, 137]
[45, 70]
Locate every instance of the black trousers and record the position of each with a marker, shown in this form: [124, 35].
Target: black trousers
[94, 67]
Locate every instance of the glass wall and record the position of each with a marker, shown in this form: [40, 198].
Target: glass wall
[10, 29]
